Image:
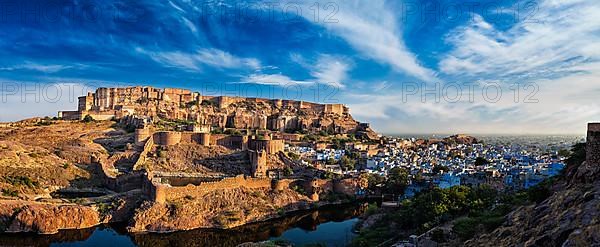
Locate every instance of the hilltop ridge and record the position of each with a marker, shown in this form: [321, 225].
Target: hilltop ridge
[217, 111]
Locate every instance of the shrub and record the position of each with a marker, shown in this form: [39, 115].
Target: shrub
[233, 132]
[438, 236]
[280, 212]
[21, 180]
[371, 209]
[288, 171]
[9, 192]
[540, 192]
[88, 119]
[293, 156]
[465, 228]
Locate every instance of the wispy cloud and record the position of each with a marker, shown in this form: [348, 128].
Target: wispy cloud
[372, 28]
[273, 79]
[561, 35]
[203, 57]
[331, 71]
[326, 69]
[45, 68]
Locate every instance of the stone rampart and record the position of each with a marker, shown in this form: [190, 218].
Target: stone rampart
[593, 144]
[141, 135]
[334, 109]
[269, 146]
[167, 138]
[69, 115]
[147, 148]
[164, 192]
[233, 142]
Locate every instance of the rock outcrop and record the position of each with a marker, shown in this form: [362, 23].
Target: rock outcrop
[218, 209]
[45, 218]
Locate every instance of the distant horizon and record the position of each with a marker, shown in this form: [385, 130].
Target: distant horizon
[410, 134]
[481, 134]
[66, 103]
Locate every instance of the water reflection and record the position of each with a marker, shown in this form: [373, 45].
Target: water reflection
[330, 225]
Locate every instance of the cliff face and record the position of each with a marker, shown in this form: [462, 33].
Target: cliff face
[569, 217]
[45, 218]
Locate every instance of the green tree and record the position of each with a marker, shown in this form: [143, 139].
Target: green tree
[331, 161]
[374, 180]
[397, 180]
[348, 163]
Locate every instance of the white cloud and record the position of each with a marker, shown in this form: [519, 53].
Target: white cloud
[45, 68]
[194, 61]
[327, 69]
[563, 35]
[176, 7]
[273, 79]
[371, 28]
[565, 106]
[218, 58]
[189, 25]
[331, 71]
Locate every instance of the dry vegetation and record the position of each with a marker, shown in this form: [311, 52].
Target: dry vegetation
[37, 159]
[218, 209]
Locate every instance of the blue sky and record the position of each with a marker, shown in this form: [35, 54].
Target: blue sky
[384, 59]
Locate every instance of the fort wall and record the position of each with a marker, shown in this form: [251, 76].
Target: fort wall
[170, 138]
[163, 192]
[147, 148]
[69, 115]
[163, 189]
[141, 135]
[233, 142]
[167, 138]
[269, 146]
[593, 144]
